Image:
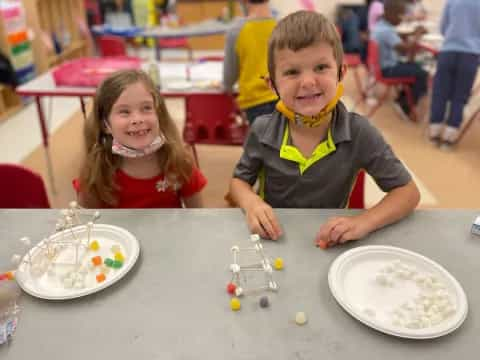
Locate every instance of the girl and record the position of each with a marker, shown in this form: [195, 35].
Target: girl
[135, 156]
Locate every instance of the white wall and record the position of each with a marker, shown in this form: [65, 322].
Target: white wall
[434, 7]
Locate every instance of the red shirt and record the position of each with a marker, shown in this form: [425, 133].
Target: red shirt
[156, 192]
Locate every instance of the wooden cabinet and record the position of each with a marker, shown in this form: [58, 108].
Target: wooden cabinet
[191, 11]
[60, 31]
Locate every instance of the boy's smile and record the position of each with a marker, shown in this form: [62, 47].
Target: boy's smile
[307, 79]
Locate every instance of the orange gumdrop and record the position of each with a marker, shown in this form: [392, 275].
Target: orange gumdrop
[100, 277]
[97, 260]
[322, 244]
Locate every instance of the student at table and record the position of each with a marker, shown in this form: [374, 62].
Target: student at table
[457, 66]
[245, 60]
[307, 153]
[391, 46]
[135, 156]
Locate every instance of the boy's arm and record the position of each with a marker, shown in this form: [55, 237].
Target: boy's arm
[230, 61]
[394, 206]
[445, 18]
[376, 156]
[260, 216]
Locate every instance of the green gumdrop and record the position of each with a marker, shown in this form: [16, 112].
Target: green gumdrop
[117, 264]
[109, 262]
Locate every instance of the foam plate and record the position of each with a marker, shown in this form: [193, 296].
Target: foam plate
[48, 286]
[351, 279]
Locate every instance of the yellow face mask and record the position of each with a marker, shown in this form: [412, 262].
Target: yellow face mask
[311, 121]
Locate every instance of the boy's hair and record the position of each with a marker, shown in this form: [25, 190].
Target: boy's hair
[302, 29]
[394, 6]
[97, 175]
[257, 1]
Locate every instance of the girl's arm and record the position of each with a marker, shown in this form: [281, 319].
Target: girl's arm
[87, 201]
[194, 201]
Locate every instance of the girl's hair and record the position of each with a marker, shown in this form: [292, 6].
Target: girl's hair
[97, 176]
[302, 29]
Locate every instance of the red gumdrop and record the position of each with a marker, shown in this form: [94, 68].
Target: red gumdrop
[231, 288]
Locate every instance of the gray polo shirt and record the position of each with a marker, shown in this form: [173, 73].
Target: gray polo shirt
[328, 182]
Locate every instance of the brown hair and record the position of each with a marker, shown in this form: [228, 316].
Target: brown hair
[300, 30]
[97, 175]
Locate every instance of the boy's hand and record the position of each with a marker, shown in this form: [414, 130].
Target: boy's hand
[262, 220]
[339, 230]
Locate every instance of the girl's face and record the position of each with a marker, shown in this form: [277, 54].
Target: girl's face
[306, 79]
[133, 118]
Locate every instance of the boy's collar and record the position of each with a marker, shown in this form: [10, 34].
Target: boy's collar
[311, 121]
[271, 130]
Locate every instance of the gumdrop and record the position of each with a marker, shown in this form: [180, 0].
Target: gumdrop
[235, 304]
[94, 245]
[278, 263]
[97, 260]
[264, 302]
[231, 288]
[119, 257]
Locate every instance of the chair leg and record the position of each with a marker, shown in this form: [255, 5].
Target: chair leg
[190, 54]
[364, 92]
[382, 99]
[468, 123]
[411, 104]
[195, 155]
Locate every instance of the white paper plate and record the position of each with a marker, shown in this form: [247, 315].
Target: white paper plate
[351, 279]
[48, 286]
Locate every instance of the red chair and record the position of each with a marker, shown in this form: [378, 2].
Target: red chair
[212, 119]
[357, 195]
[176, 43]
[353, 61]
[21, 188]
[109, 45]
[93, 9]
[373, 61]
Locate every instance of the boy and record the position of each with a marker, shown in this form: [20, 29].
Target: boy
[246, 60]
[391, 46]
[308, 152]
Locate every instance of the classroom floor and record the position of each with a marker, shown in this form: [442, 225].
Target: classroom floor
[447, 179]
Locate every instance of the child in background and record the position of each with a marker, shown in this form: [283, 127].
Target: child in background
[391, 45]
[375, 12]
[135, 156]
[457, 65]
[246, 60]
[308, 152]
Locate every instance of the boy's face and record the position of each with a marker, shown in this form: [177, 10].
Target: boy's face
[395, 16]
[307, 79]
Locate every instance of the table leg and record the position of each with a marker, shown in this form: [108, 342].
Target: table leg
[84, 111]
[44, 129]
[157, 49]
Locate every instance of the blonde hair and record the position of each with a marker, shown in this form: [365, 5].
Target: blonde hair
[302, 29]
[97, 175]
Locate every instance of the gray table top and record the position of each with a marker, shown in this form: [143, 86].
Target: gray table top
[173, 303]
